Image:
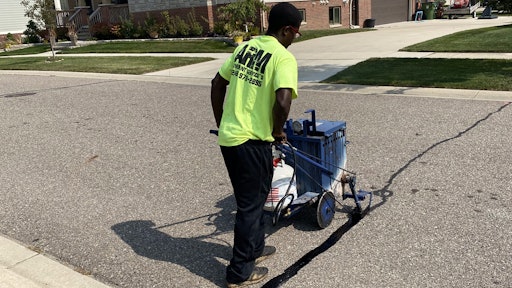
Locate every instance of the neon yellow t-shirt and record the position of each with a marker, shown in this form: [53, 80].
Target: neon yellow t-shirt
[254, 71]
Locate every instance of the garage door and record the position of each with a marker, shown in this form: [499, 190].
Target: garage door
[389, 11]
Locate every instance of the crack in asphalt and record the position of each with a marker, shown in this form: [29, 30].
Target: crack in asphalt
[354, 218]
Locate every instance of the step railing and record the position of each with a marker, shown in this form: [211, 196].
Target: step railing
[62, 17]
[109, 14]
[79, 19]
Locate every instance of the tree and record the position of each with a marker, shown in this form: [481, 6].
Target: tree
[241, 14]
[43, 13]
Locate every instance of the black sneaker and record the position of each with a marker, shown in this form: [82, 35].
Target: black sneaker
[267, 252]
[258, 274]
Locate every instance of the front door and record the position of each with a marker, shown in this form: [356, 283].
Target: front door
[89, 4]
[355, 13]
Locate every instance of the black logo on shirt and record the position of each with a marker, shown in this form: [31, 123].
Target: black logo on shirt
[250, 64]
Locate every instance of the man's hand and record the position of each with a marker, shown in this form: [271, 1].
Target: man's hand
[279, 138]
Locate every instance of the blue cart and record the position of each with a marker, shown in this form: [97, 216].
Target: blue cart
[316, 150]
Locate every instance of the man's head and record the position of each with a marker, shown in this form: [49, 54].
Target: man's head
[284, 22]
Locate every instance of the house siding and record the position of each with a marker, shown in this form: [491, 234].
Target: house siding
[317, 12]
[203, 9]
[137, 6]
[12, 19]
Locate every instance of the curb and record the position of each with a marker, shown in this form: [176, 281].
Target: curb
[22, 267]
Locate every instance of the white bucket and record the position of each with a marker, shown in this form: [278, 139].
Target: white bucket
[282, 175]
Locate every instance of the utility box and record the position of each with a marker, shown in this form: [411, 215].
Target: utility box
[323, 143]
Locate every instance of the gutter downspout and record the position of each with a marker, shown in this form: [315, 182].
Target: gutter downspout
[350, 15]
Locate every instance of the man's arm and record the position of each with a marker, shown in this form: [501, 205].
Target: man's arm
[280, 112]
[217, 94]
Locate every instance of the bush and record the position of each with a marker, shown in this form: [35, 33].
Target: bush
[151, 26]
[128, 29]
[220, 28]
[240, 13]
[32, 32]
[168, 29]
[8, 40]
[182, 28]
[62, 33]
[195, 28]
[101, 31]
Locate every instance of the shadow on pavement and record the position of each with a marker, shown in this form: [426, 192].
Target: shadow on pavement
[201, 254]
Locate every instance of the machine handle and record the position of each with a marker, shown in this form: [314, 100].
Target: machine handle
[311, 124]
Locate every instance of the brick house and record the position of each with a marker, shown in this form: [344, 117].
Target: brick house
[317, 14]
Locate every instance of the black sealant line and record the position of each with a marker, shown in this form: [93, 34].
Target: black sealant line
[354, 218]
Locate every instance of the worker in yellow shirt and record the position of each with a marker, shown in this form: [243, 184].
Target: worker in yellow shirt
[262, 76]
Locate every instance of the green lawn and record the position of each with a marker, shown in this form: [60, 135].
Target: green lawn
[444, 73]
[492, 39]
[311, 34]
[28, 51]
[115, 65]
[441, 73]
[155, 46]
[167, 46]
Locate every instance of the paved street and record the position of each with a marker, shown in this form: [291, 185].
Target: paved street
[117, 178]
[129, 186]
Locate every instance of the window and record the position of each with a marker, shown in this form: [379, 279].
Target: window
[334, 15]
[303, 14]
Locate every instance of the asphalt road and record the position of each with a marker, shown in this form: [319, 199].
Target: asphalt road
[121, 180]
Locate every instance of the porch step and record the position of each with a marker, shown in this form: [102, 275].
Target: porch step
[84, 33]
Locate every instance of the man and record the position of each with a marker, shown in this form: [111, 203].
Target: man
[262, 78]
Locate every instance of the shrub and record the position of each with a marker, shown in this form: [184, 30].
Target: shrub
[127, 28]
[32, 32]
[115, 31]
[238, 14]
[220, 28]
[62, 33]
[101, 31]
[195, 28]
[168, 29]
[182, 28]
[151, 26]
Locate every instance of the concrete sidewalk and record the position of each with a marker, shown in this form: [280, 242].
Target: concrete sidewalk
[323, 57]
[21, 267]
[317, 60]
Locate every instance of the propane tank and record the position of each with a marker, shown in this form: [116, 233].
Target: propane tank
[283, 173]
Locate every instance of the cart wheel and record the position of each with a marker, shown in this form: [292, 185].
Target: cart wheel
[325, 209]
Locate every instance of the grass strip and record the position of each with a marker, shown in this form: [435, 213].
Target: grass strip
[167, 46]
[115, 65]
[492, 39]
[155, 46]
[488, 74]
[37, 49]
[312, 34]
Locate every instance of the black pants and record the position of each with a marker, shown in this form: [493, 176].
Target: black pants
[250, 170]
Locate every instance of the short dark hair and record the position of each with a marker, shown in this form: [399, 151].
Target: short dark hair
[283, 14]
